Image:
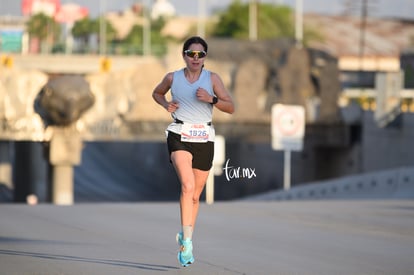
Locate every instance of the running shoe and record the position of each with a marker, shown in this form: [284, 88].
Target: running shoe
[185, 255]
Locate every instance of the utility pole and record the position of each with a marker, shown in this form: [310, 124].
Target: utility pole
[364, 14]
[102, 28]
[299, 23]
[253, 6]
[201, 26]
[363, 6]
[146, 39]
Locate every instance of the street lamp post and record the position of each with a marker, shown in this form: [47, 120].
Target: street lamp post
[147, 30]
[201, 26]
[299, 23]
[102, 28]
[253, 20]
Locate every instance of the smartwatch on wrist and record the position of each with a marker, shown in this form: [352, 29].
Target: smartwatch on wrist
[215, 100]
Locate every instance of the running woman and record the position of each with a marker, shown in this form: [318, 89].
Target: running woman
[190, 136]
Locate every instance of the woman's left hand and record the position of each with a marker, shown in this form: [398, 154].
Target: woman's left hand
[203, 95]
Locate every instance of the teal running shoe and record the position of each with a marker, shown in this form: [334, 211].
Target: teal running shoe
[185, 255]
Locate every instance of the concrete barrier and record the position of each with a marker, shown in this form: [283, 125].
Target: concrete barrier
[405, 183]
[393, 184]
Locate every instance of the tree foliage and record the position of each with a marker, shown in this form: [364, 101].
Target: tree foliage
[131, 44]
[134, 40]
[233, 22]
[273, 21]
[43, 27]
[85, 28]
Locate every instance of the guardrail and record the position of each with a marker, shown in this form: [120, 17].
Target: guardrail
[389, 184]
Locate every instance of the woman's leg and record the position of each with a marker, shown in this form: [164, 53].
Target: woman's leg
[182, 161]
[200, 181]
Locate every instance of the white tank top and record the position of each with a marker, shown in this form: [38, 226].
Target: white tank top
[191, 109]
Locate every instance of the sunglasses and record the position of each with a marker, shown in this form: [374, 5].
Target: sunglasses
[199, 54]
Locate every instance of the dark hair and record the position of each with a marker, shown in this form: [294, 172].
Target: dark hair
[195, 40]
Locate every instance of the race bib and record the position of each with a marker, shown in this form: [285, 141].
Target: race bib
[195, 132]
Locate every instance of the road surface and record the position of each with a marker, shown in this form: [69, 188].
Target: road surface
[238, 237]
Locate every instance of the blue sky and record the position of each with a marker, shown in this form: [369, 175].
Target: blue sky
[393, 8]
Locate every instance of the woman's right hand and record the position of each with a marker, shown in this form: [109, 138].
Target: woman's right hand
[172, 106]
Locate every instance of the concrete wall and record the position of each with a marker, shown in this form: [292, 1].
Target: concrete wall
[388, 147]
[140, 171]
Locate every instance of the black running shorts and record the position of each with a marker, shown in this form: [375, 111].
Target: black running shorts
[203, 153]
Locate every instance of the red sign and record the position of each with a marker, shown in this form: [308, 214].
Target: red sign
[71, 12]
[48, 7]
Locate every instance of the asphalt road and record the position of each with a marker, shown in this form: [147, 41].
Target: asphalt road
[305, 237]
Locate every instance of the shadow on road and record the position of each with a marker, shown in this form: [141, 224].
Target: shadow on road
[143, 266]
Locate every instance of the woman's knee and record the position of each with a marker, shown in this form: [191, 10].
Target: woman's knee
[188, 188]
[196, 199]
